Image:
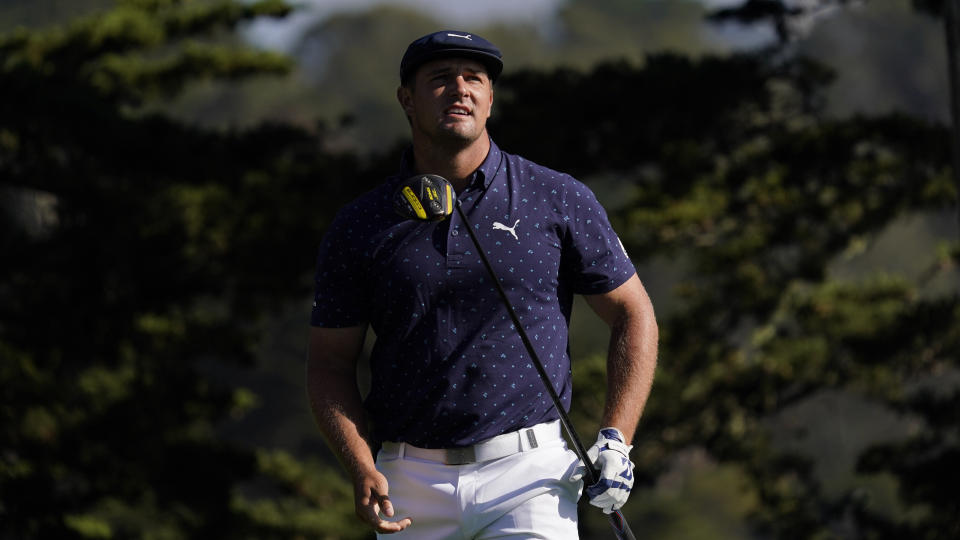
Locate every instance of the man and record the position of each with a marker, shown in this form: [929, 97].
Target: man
[470, 446]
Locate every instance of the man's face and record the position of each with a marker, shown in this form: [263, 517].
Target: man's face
[449, 100]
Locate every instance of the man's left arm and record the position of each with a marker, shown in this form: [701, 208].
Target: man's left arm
[631, 362]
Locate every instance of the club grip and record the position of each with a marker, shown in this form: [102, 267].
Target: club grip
[620, 526]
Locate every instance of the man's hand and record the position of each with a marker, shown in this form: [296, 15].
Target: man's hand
[611, 455]
[370, 493]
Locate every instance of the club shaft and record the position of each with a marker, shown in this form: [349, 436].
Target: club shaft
[619, 523]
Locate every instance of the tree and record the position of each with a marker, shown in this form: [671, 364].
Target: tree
[740, 179]
[142, 255]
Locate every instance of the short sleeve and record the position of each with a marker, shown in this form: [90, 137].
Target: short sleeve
[340, 298]
[595, 260]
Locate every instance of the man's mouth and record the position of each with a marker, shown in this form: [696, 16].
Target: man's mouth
[457, 110]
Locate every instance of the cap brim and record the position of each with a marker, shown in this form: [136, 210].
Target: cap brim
[493, 64]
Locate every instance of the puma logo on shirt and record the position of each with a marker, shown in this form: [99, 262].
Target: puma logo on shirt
[501, 227]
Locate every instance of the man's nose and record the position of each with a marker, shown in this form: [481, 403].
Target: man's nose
[459, 86]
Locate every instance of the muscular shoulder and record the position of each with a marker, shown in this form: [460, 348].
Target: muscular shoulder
[556, 185]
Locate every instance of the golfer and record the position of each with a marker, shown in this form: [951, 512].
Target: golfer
[457, 437]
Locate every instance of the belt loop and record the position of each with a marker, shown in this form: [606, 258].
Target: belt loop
[401, 450]
[531, 438]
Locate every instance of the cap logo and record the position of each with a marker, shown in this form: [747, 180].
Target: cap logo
[468, 36]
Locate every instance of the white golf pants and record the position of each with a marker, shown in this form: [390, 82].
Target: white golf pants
[523, 495]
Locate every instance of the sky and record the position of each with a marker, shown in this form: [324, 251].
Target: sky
[283, 35]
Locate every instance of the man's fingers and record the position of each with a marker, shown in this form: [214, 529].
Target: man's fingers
[386, 506]
[372, 506]
[387, 527]
[382, 504]
[383, 526]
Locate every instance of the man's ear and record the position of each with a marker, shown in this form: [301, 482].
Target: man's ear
[405, 99]
[490, 110]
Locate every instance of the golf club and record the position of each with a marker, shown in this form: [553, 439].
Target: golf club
[429, 197]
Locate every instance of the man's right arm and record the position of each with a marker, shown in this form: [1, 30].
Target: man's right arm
[337, 406]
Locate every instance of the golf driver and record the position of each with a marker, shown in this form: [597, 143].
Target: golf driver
[428, 197]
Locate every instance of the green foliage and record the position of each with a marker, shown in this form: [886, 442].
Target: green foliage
[758, 195]
[298, 490]
[141, 49]
[699, 502]
[143, 255]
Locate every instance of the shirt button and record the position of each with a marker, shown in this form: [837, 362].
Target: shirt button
[455, 232]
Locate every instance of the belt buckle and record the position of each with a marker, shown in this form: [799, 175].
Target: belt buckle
[460, 456]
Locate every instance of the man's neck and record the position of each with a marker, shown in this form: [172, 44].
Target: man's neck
[456, 165]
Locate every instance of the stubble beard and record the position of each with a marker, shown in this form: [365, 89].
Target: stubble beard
[453, 139]
[457, 136]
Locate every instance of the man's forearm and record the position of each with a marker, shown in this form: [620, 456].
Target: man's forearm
[631, 364]
[337, 406]
[338, 410]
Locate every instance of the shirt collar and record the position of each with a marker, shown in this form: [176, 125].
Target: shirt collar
[488, 169]
[484, 174]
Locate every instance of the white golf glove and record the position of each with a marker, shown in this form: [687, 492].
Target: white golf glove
[611, 455]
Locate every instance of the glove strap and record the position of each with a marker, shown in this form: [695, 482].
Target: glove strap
[610, 438]
[611, 433]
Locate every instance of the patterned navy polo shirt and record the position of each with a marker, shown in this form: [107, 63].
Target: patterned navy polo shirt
[448, 367]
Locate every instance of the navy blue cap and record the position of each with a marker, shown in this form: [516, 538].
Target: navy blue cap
[447, 43]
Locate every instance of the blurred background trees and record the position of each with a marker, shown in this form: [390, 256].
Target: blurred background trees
[168, 166]
[142, 257]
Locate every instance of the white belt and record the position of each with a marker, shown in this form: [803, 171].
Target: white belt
[494, 448]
